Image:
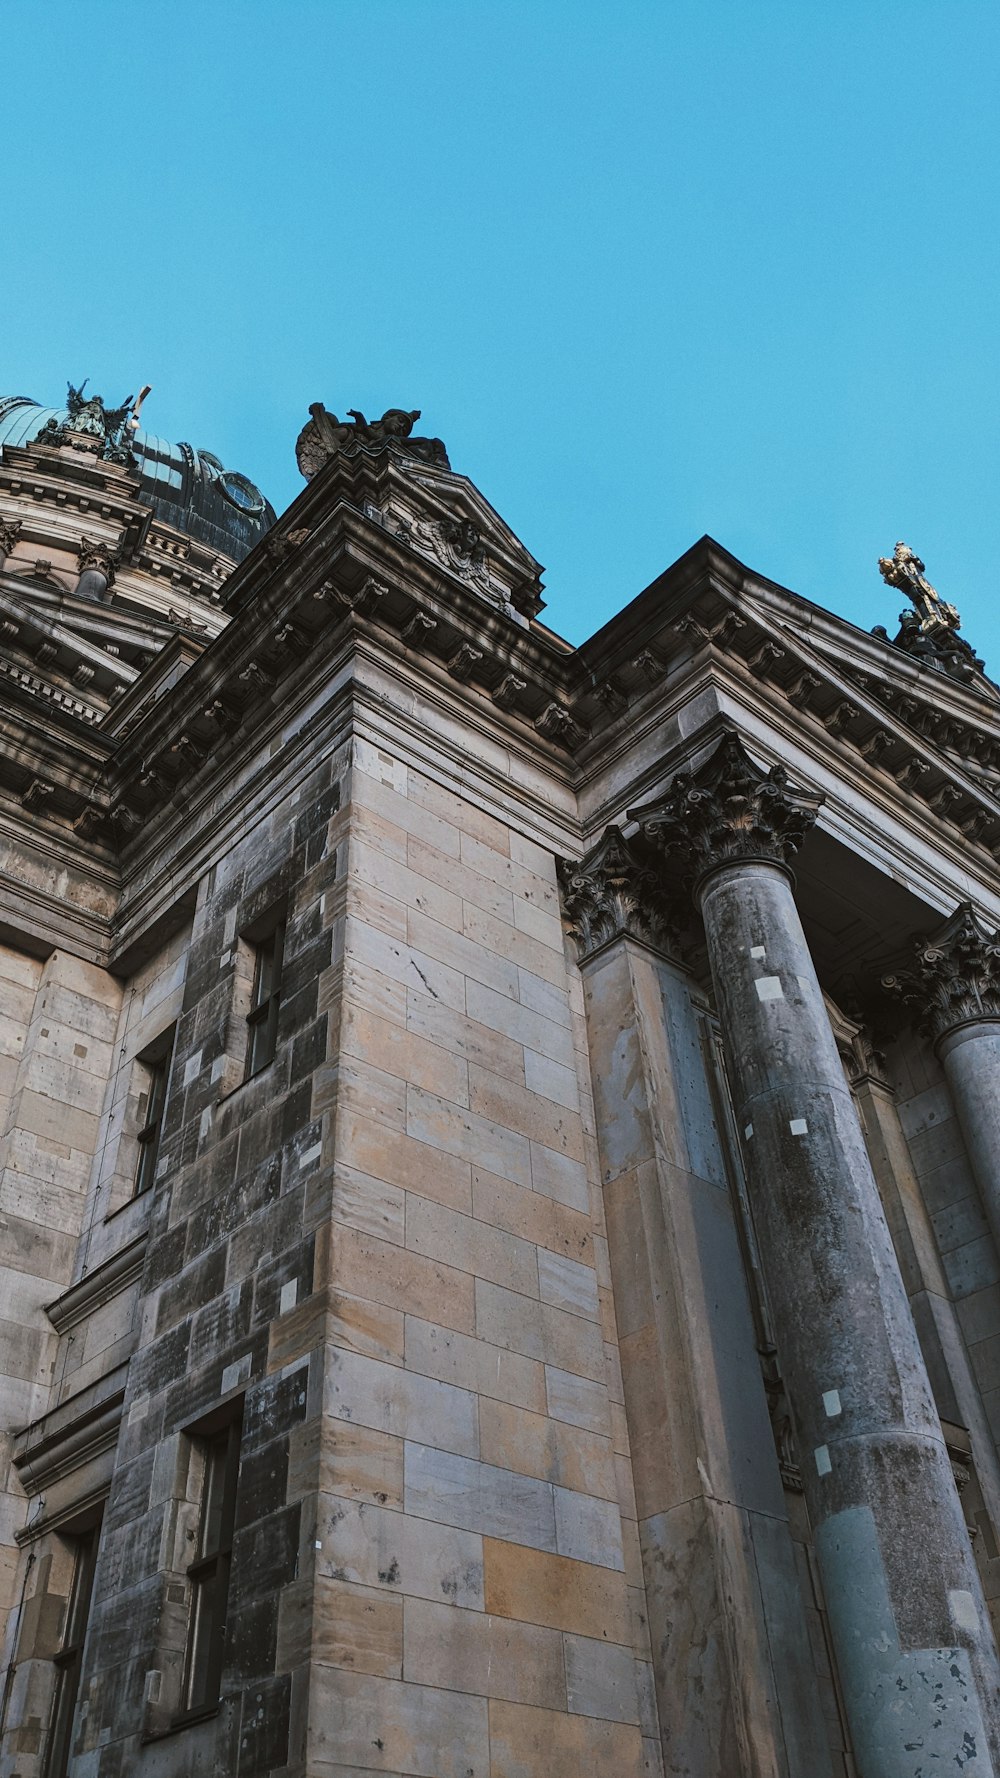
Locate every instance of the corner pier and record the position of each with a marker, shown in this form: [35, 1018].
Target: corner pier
[913, 1642]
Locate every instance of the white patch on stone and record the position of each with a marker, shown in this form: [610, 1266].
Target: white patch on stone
[310, 1155]
[225, 959]
[319, 1543]
[289, 1296]
[229, 929]
[822, 1456]
[757, 951]
[217, 1067]
[235, 1374]
[769, 988]
[205, 1123]
[831, 1403]
[803, 981]
[748, 1132]
[963, 1610]
[191, 1067]
[798, 1126]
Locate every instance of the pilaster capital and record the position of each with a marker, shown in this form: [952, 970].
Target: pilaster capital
[955, 979]
[729, 811]
[612, 892]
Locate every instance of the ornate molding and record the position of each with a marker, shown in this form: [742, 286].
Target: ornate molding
[10, 531]
[955, 979]
[613, 892]
[728, 811]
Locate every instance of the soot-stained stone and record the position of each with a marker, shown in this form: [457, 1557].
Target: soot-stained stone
[196, 1285]
[251, 1638]
[263, 1482]
[265, 1555]
[274, 1406]
[164, 1258]
[162, 1362]
[264, 1727]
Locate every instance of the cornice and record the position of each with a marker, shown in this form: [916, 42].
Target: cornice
[98, 1287]
[73, 1434]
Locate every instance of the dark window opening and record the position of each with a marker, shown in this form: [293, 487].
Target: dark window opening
[157, 1064]
[262, 1018]
[208, 1575]
[69, 1660]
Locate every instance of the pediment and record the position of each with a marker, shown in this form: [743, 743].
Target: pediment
[446, 517]
[76, 655]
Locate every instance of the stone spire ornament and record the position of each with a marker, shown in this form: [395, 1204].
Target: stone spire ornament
[955, 979]
[728, 811]
[930, 630]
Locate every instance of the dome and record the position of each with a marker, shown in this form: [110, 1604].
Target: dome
[188, 489]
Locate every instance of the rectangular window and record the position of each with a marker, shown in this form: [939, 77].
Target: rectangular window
[70, 1657]
[208, 1574]
[262, 1018]
[156, 1061]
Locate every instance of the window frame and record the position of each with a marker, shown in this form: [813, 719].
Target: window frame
[208, 1575]
[68, 1659]
[265, 998]
[156, 1059]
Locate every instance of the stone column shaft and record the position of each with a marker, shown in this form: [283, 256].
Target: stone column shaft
[914, 1646]
[954, 990]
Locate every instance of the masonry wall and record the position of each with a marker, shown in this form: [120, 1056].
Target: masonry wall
[57, 1020]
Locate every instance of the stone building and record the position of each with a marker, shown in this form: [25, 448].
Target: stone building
[500, 1155]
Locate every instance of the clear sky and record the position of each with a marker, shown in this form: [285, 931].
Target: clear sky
[649, 270]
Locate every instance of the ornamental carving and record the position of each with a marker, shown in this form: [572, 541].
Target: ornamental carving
[930, 630]
[955, 978]
[94, 554]
[611, 893]
[728, 811]
[10, 531]
[324, 437]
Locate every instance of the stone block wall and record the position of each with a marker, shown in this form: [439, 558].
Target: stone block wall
[58, 1023]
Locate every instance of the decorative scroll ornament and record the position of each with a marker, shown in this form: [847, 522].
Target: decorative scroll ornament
[324, 437]
[613, 892]
[727, 811]
[955, 978]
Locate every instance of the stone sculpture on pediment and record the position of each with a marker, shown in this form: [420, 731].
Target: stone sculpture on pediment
[325, 436]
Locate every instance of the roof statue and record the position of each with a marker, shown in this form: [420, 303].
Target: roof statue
[325, 436]
[87, 417]
[905, 570]
[930, 630]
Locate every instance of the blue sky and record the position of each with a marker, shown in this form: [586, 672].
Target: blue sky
[650, 270]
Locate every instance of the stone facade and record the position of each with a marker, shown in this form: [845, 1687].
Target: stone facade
[499, 1278]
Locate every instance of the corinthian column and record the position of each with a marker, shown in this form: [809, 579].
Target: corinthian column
[954, 990]
[916, 1655]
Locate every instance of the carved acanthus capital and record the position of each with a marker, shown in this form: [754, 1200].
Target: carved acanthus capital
[728, 811]
[955, 978]
[10, 531]
[613, 892]
[94, 554]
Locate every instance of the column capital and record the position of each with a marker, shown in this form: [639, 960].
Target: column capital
[728, 812]
[955, 979]
[94, 554]
[612, 892]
